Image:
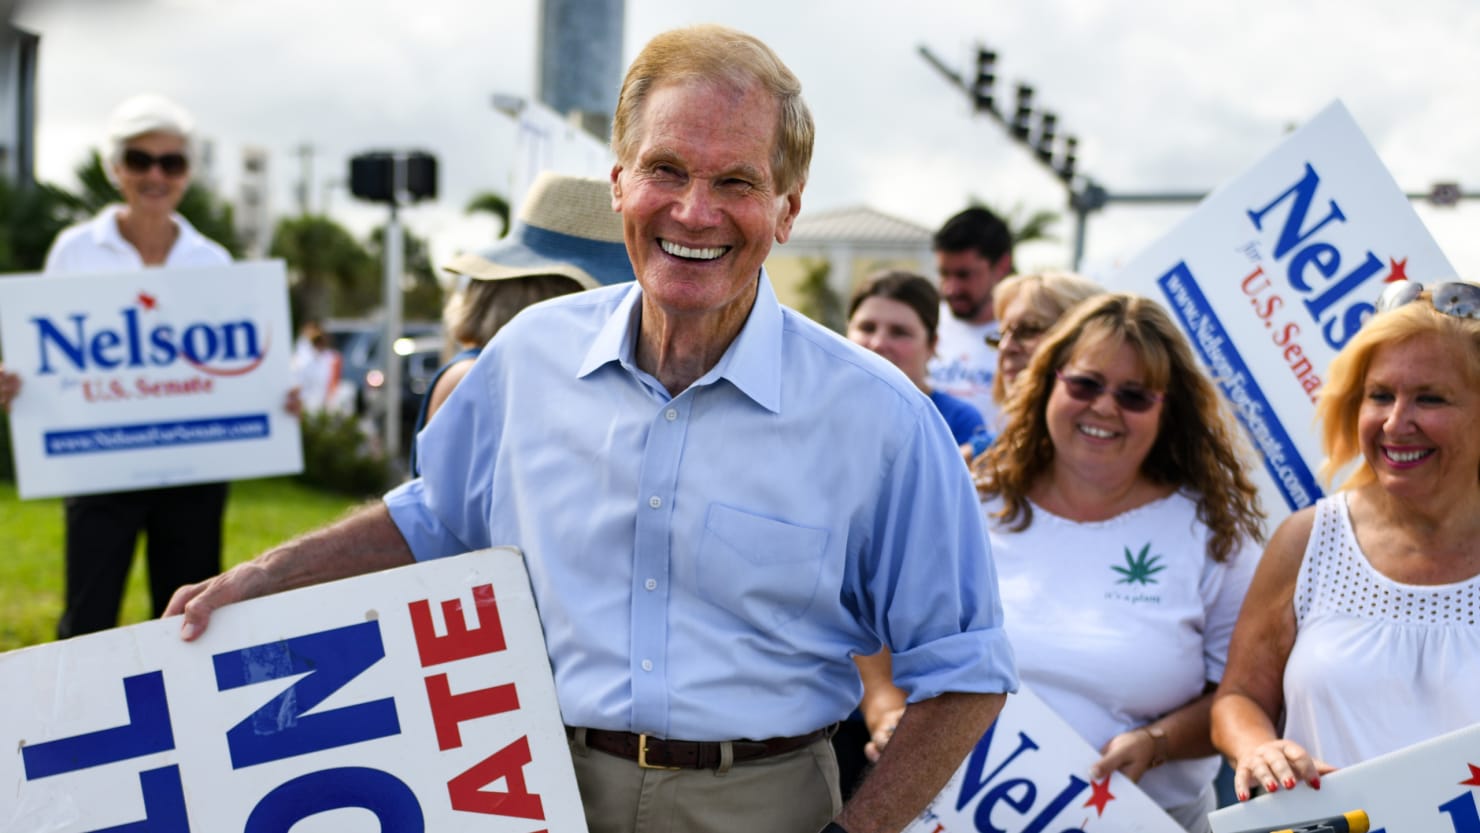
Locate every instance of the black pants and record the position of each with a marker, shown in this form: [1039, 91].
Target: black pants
[183, 525]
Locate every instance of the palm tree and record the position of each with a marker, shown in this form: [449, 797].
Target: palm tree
[1024, 229]
[490, 203]
[324, 260]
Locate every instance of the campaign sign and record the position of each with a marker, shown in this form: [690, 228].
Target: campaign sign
[146, 378]
[1274, 272]
[1030, 774]
[416, 699]
[1429, 787]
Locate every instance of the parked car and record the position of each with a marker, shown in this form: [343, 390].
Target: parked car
[360, 343]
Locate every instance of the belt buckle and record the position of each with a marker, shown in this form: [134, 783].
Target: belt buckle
[642, 756]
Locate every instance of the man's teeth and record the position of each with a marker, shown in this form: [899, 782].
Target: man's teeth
[1095, 431]
[692, 254]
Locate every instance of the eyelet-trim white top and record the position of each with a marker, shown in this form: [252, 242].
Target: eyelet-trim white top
[1377, 665]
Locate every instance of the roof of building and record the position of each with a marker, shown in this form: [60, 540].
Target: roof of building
[859, 225]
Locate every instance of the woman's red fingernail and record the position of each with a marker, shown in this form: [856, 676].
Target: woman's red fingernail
[1315, 783]
[1271, 786]
[1289, 783]
[1243, 796]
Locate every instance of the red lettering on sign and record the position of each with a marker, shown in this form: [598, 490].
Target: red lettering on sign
[450, 710]
[507, 764]
[486, 637]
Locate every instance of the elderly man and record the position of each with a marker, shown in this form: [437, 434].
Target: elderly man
[704, 558]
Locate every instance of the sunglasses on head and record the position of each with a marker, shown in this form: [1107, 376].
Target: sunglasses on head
[139, 162]
[1456, 298]
[1088, 389]
[1020, 333]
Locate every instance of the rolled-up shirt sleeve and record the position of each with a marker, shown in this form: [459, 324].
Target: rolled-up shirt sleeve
[933, 588]
[447, 510]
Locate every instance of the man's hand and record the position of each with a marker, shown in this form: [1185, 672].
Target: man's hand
[198, 601]
[10, 385]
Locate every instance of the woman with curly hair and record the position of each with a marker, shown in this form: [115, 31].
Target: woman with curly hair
[1125, 531]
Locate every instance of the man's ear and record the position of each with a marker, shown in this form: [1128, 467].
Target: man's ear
[792, 206]
[1002, 266]
[617, 188]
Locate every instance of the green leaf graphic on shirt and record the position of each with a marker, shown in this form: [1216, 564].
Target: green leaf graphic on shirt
[1139, 568]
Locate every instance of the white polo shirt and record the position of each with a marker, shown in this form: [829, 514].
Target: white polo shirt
[98, 246]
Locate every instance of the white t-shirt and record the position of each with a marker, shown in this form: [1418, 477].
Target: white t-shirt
[1377, 665]
[964, 366]
[98, 246]
[1116, 623]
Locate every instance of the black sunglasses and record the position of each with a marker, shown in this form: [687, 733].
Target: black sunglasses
[1020, 333]
[1088, 389]
[1456, 298]
[170, 164]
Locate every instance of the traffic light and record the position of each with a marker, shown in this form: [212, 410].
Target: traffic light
[1071, 157]
[986, 79]
[1048, 128]
[373, 176]
[1022, 115]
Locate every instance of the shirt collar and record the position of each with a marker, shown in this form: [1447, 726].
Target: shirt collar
[752, 363]
[106, 234]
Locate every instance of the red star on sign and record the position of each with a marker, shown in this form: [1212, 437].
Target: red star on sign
[1101, 796]
[1474, 780]
[146, 300]
[1399, 271]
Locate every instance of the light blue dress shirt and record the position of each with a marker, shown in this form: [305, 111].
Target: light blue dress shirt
[706, 564]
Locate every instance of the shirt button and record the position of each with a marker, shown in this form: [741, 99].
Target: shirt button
[671, 414]
[647, 665]
[651, 584]
[655, 502]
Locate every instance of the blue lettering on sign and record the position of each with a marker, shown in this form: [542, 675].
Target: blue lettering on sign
[147, 732]
[130, 345]
[164, 804]
[393, 803]
[1462, 814]
[281, 729]
[1322, 258]
[1296, 482]
[1017, 793]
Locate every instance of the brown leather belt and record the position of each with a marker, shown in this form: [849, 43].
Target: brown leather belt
[656, 753]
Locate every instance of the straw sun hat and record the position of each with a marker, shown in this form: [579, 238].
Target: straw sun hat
[566, 226]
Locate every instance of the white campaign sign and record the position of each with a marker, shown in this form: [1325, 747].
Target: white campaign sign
[1429, 787]
[1030, 774]
[1274, 272]
[417, 699]
[146, 378]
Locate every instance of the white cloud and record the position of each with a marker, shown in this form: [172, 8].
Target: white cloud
[1163, 95]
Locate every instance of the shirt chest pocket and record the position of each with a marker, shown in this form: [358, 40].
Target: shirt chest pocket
[762, 570]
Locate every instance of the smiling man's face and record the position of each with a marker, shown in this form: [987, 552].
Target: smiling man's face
[699, 204]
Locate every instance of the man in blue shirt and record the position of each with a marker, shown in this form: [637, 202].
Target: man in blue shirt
[705, 554]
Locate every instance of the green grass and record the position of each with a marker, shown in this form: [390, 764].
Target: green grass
[259, 514]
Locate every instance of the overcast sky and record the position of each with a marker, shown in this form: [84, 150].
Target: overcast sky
[1162, 95]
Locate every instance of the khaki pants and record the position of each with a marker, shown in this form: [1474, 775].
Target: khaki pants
[792, 793]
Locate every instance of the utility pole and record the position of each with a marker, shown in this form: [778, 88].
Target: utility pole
[305, 176]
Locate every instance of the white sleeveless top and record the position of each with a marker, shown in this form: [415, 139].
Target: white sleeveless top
[1377, 665]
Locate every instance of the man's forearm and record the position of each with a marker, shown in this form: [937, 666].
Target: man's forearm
[930, 743]
[366, 541]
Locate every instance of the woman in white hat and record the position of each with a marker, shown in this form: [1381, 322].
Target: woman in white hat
[149, 155]
[567, 239]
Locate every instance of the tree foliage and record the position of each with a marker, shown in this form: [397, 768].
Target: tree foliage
[421, 298]
[488, 202]
[329, 270]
